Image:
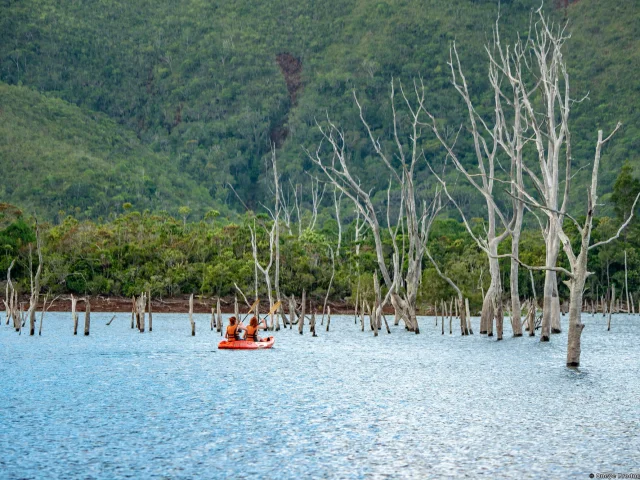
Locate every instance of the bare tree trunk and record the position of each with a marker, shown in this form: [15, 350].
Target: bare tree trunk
[133, 311]
[466, 308]
[292, 312]
[218, 316]
[150, 314]
[35, 283]
[9, 293]
[193, 323]
[435, 307]
[611, 305]
[516, 321]
[333, 272]
[531, 318]
[87, 316]
[142, 301]
[626, 282]
[74, 315]
[312, 323]
[301, 321]
[328, 317]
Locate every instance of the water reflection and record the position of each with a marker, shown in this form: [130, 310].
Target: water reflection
[343, 405]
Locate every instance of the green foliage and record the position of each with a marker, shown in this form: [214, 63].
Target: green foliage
[197, 92]
[57, 157]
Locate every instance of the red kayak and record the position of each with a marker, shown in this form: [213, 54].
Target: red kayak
[246, 345]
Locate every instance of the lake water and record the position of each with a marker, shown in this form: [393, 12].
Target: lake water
[120, 404]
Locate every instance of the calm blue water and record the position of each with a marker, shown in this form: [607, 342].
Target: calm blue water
[120, 404]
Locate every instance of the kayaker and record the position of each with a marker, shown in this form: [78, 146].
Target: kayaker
[252, 329]
[233, 330]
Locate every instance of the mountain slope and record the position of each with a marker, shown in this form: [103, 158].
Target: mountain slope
[54, 156]
[209, 85]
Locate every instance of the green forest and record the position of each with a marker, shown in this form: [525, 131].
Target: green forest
[138, 134]
[144, 251]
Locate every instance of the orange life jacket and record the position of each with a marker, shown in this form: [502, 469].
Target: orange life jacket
[232, 331]
[252, 333]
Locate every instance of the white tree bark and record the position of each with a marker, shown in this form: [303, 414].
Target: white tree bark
[402, 284]
[35, 283]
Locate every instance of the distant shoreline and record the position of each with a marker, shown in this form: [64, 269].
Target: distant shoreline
[180, 304]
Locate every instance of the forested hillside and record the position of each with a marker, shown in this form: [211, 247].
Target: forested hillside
[198, 91]
[58, 159]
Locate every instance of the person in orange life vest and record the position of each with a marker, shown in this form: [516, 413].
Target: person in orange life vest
[233, 330]
[252, 329]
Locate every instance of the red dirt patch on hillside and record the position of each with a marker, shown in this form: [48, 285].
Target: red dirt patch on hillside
[291, 68]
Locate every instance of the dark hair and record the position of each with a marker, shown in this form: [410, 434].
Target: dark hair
[254, 321]
[232, 320]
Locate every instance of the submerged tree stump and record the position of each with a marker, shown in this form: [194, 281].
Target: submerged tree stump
[87, 317]
[74, 315]
[149, 309]
[468, 312]
[312, 324]
[301, 320]
[219, 316]
[193, 323]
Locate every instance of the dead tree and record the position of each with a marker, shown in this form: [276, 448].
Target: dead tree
[402, 283]
[333, 273]
[191, 321]
[8, 303]
[337, 199]
[87, 316]
[149, 309]
[74, 314]
[486, 141]
[140, 311]
[301, 320]
[35, 283]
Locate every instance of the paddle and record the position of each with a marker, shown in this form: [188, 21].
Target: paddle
[272, 311]
[255, 304]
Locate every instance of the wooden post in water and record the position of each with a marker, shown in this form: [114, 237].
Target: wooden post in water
[611, 305]
[355, 310]
[362, 316]
[87, 317]
[142, 303]
[213, 318]
[301, 321]
[133, 310]
[44, 305]
[219, 316]
[468, 312]
[328, 317]
[277, 314]
[292, 311]
[193, 323]
[444, 315]
[74, 315]
[451, 317]
[435, 308]
[373, 319]
[149, 309]
[312, 323]
[531, 318]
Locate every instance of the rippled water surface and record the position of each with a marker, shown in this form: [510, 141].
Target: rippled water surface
[164, 404]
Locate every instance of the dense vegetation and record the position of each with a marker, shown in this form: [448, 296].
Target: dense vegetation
[137, 251]
[197, 93]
